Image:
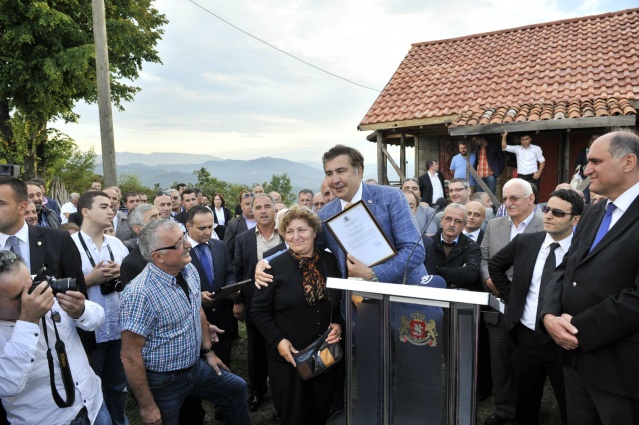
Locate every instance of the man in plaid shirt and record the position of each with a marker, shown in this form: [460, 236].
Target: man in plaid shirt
[166, 353]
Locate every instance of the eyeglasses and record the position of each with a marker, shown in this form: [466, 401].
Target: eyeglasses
[457, 221]
[457, 190]
[7, 258]
[512, 199]
[178, 245]
[555, 212]
[248, 195]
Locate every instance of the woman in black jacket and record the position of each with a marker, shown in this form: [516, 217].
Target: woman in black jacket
[292, 312]
[221, 215]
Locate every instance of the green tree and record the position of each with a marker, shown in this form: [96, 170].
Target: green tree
[72, 167]
[48, 64]
[132, 183]
[281, 183]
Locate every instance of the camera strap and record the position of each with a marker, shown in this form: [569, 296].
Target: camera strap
[63, 360]
[88, 253]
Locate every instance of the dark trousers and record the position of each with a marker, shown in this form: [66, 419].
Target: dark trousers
[590, 406]
[504, 391]
[257, 361]
[106, 363]
[532, 362]
[301, 402]
[529, 179]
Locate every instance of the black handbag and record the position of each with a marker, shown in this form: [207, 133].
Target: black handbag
[318, 357]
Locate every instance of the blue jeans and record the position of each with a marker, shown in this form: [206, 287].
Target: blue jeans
[227, 391]
[491, 182]
[103, 418]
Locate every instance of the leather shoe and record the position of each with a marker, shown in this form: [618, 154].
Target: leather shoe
[254, 402]
[495, 419]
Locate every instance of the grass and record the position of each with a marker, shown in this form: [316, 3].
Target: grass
[266, 414]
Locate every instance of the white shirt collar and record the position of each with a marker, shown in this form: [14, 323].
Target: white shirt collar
[22, 235]
[525, 222]
[624, 200]
[192, 241]
[564, 243]
[475, 234]
[356, 198]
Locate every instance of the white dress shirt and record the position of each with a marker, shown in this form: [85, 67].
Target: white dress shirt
[514, 230]
[623, 203]
[111, 302]
[24, 370]
[356, 198]
[527, 159]
[529, 316]
[67, 208]
[220, 216]
[23, 242]
[438, 190]
[473, 235]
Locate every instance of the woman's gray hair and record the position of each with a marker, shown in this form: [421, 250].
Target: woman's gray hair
[136, 217]
[149, 238]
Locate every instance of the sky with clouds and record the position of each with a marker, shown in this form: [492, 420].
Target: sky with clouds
[223, 93]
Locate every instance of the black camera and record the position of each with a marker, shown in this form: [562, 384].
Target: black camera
[111, 285]
[59, 286]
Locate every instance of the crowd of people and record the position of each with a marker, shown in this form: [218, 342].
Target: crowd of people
[144, 278]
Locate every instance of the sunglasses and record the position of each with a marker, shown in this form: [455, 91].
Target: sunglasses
[555, 212]
[248, 195]
[178, 245]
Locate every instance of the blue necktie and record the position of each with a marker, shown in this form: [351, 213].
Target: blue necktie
[13, 245]
[204, 255]
[605, 225]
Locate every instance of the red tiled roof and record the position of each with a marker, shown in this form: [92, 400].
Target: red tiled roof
[562, 109]
[555, 63]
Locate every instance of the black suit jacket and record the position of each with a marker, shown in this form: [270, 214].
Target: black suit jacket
[426, 187]
[460, 268]
[600, 289]
[233, 228]
[56, 249]
[132, 265]
[520, 253]
[181, 217]
[221, 312]
[244, 268]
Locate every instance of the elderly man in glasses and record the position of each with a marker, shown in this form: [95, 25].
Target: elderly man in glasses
[166, 350]
[24, 370]
[518, 200]
[534, 257]
[456, 255]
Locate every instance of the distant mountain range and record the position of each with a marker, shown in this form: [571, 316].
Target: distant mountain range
[167, 168]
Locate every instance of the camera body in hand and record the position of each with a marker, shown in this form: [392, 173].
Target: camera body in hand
[59, 286]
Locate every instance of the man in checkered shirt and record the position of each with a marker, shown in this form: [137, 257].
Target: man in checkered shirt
[166, 351]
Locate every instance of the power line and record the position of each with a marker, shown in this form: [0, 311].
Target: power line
[280, 50]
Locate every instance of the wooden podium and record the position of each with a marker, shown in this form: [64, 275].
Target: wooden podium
[411, 353]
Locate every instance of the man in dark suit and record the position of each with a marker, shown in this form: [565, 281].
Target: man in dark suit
[476, 216]
[215, 272]
[519, 204]
[249, 249]
[533, 258]
[431, 183]
[189, 200]
[457, 256]
[591, 307]
[214, 267]
[37, 245]
[239, 225]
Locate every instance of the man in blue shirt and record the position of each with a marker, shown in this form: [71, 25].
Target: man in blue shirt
[462, 162]
[166, 353]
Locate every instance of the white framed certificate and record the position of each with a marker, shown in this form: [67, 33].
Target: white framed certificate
[358, 233]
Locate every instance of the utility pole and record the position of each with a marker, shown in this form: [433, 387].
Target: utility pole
[104, 94]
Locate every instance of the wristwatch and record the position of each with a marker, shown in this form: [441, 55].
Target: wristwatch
[205, 351]
[374, 277]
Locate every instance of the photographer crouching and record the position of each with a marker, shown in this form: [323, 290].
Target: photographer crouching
[45, 376]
